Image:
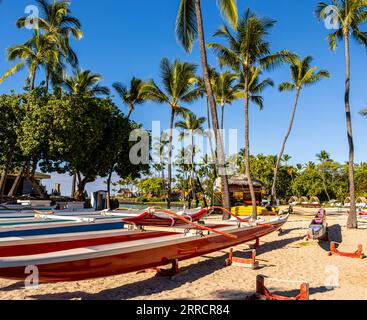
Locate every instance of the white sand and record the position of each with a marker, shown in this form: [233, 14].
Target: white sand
[287, 257]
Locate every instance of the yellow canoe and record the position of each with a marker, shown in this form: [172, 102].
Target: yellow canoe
[245, 211]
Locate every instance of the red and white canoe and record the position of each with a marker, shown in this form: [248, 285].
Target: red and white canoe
[143, 250]
[154, 218]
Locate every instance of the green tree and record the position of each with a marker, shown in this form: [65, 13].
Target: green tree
[302, 75]
[11, 114]
[130, 96]
[350, 15]
[323, 157]
[179, 85]
[189, 26]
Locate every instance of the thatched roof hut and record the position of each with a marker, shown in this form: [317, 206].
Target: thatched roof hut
[304, 200]
[361, 200]
[315, 200]
[242, 181]
[293, 200]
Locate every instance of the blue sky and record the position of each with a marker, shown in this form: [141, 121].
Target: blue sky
[129, 38]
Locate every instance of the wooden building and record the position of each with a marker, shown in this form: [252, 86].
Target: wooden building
[239, 190]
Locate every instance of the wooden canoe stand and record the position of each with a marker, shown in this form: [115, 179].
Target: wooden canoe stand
[255, 245]
[262, 293]
[164, 272]
[242, 262]
[335, 252]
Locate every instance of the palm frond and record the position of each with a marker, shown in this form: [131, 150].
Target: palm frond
[186, 24]
[12, 71]
[286, 86]
[228, 9]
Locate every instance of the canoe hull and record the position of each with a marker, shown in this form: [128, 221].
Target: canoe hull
[139, 259]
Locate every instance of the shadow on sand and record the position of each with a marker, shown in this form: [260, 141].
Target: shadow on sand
[149, 286]
[335, 235]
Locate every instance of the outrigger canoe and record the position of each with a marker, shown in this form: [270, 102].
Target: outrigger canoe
[318, 229]
[48, 224]
[147, 247]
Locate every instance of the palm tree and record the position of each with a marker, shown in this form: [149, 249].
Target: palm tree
[302, 75]
[324, 157]
[179, 85]
[35, 52]
[191, 126]
[225, 91]
[248, 53]
[85, 83]
[130, 96]
[350, 15]
[363, 112]
[57, 22]
[189, 26]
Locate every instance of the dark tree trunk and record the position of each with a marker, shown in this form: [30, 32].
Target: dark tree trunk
[273, 190]
[352, 219]
[4, 177]
[219, 142]
[17, 181]
[108, 204]
[73, 186]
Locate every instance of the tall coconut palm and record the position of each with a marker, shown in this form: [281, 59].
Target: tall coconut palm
[189, 26]
[225, 91]
[349, 15]
[130, 96]
[56, 21]
[191, 126]
[323, 157]
[179, 85]
[302, 75]
[247, 52]
[85, 83]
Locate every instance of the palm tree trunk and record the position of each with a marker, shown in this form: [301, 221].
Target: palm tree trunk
[4, 177]
[131, 109]
[193, 176]
[222, 117]
[219, 142]
[209, 128]
[169, 191]
[324, 180]
[352, 219]
[47, 80]
[247, 147]
[273, 190]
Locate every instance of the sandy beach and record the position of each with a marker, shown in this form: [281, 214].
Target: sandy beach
[284, 257]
